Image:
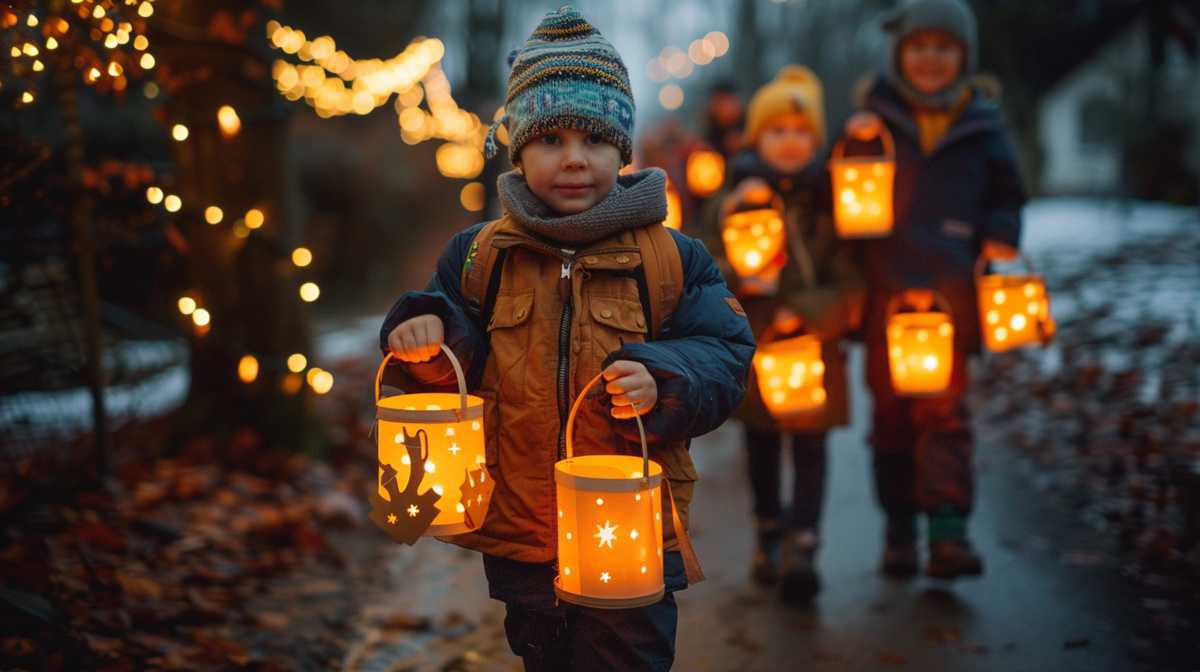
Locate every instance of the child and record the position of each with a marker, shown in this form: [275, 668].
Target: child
[818, 290]
[957, 196]
[579, 277]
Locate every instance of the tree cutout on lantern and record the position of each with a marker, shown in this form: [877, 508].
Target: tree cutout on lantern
[453, 424]
[920, 348]
[705, 172]
[1014, 310]
[753, 234]
[405, 514]
[476, 492]
[862, 190]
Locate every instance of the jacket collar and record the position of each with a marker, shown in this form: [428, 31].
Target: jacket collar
[980, 115]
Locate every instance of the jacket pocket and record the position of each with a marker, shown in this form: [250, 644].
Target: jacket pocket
[509, 333]
[616, 321]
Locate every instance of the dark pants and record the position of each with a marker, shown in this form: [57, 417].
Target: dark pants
[922, 446]
[552, 635]
[808, 484]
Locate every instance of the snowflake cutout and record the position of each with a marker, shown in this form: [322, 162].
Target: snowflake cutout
[413, 510]
[605, 577]
[606, 534]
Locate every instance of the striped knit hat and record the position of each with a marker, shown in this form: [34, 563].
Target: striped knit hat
[566, 76]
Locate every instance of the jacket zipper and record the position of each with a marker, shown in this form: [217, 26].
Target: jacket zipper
[564, 357]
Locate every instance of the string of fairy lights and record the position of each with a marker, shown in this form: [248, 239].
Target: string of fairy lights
[107, 38]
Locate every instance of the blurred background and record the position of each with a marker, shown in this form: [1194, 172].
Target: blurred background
[207, 207]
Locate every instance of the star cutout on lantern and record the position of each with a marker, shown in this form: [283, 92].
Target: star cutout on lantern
[605, 577]
[454, 449]
[606, 534]
[633, 535]
[392, 518]
[413, 510]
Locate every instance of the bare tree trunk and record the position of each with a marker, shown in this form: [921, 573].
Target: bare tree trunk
[85, 258]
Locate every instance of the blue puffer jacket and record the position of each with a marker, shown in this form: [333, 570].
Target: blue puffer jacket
[700, 362]
[946, 204]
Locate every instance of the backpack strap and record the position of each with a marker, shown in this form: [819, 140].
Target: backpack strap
[481, 274]
[662, 269]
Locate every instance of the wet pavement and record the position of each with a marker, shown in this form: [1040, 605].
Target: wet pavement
[1049, 599]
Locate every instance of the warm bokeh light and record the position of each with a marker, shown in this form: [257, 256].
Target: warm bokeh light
[473, 196]
[248, 368]
[302, 256]
[172, 203]
[321, 382]
[187, 305]
[154, 195]
[670, 96]
[179, 132]
[213, 214]
[254, 218]
[309, 292]
[228, 120]
[201, 317]
[297, 362]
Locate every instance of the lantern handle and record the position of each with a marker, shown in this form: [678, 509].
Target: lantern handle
[940, 301]
[638, 418]
[458, 372]
[982, 261]
[885, 138]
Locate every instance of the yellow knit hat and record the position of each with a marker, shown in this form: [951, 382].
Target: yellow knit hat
[794, 89]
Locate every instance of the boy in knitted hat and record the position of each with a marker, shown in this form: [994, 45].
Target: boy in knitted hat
[814, 287]
[579, 278]
[957, 196]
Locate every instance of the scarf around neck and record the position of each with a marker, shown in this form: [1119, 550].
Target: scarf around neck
[636, 200]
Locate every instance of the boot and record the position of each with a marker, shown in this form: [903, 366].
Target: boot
[767, 556]
[900, 558]
[799, 582]
[952, 558]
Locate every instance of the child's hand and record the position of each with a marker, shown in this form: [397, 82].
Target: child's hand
[418, 339]
[787, 321]
[864, 126]
[994, 250]
[633, 388]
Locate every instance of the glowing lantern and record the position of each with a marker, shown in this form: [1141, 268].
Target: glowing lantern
[754, 235]
[705, 172]
[920, 349]
[433, 444]
[1014, 310]
[862, 191]
[610, 547]
[674, 218]
[791, 376]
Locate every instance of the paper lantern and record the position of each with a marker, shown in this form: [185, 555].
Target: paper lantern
[920, 349]
[705, 172]
[862, 191]
[433, 443]
[674, 218]
[791, 376]
[1014, 310]
[610, 527]
[753, 239]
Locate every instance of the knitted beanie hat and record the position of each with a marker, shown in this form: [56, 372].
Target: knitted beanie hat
[953, 17]
[795, 89]
[567, 76]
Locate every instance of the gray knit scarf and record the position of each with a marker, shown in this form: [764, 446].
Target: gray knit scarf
[637, 199]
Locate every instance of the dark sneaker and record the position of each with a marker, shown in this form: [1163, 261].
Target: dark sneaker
[900, 559]
[952, 559]
[799, 582]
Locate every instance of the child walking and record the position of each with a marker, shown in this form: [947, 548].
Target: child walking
[957, 196]
[814, 287]
[577, 278]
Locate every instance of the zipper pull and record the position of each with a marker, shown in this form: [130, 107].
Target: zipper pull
[566, 270]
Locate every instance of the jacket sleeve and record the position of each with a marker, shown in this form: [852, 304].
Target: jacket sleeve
[1005, 195]
[834, 307]
[442, 297]
[701, 361]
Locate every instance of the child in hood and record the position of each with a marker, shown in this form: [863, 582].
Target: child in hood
[957, 196]
[579, 278]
